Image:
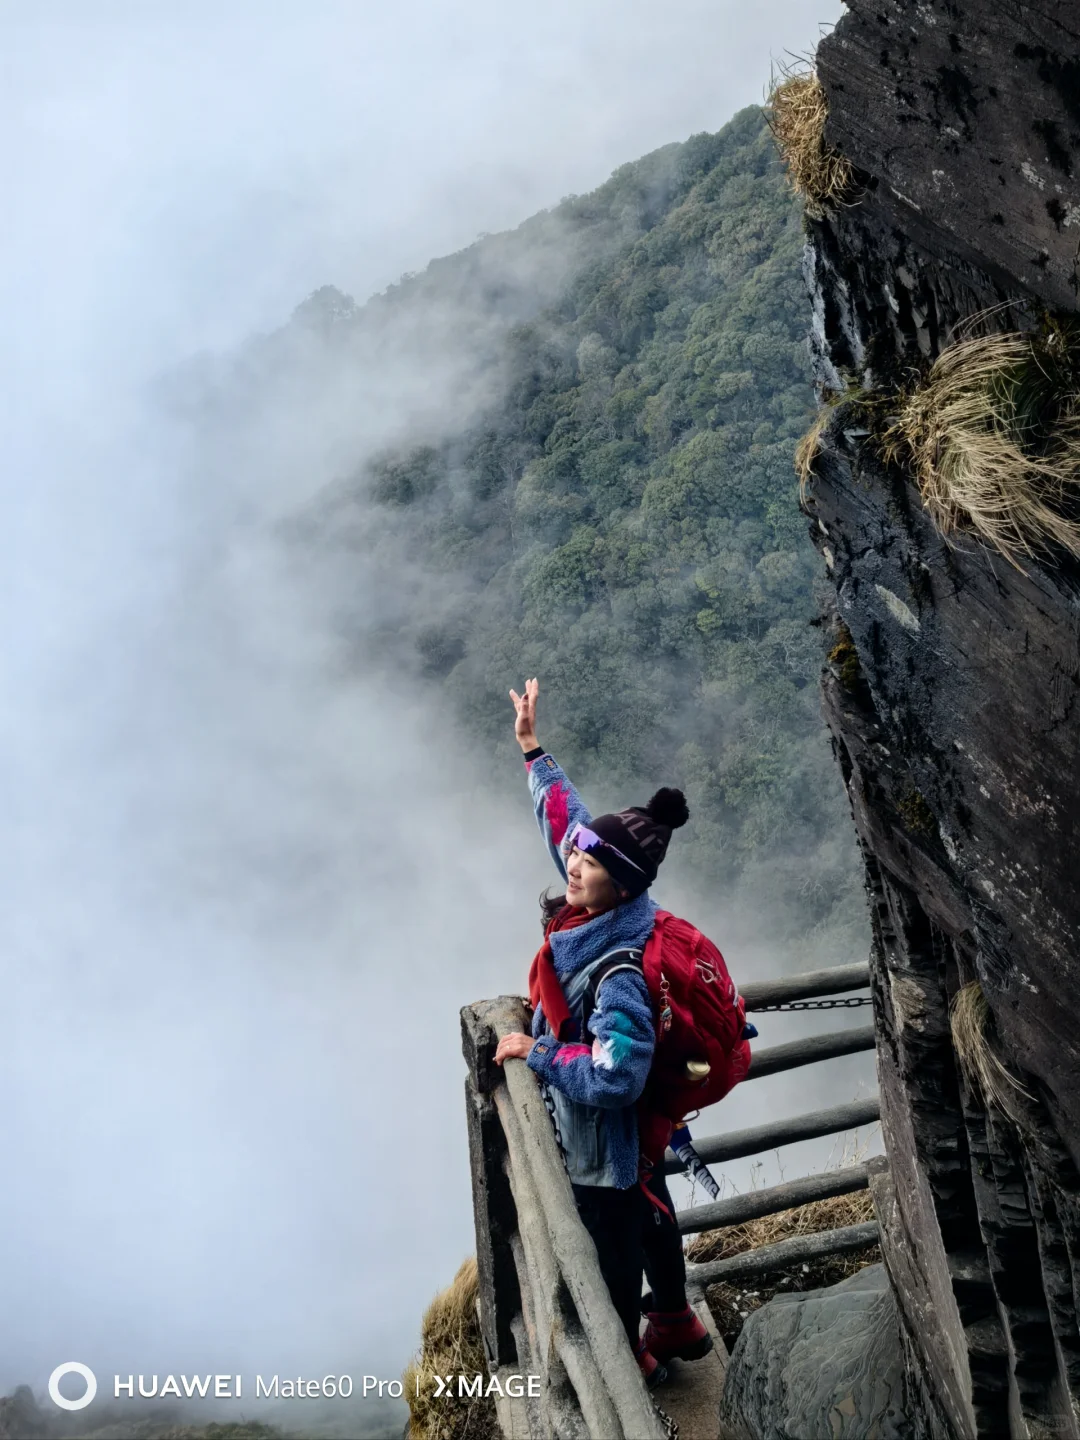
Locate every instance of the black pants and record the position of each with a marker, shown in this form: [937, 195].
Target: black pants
[632, 1235]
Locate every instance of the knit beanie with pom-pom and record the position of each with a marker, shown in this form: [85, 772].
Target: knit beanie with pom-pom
[635, 841]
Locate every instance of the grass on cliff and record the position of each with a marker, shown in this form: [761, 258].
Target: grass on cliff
[806, 451]
[993, 436]
[971, 1024]
[732, 1303]
[450, 1344]
[796, 110]
[809, 446]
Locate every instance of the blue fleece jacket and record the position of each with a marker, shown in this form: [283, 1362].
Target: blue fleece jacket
[601, 1080]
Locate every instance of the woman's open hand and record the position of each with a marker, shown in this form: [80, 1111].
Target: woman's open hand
[525, 724]
[514, 1046]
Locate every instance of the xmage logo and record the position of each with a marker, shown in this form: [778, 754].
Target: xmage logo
[72, 1367]
[474, 1385]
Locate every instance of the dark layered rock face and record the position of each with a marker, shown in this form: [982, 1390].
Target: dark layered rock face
[820, 1363]
[954, 706]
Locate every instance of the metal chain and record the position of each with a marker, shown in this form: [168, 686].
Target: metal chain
[851, 1003]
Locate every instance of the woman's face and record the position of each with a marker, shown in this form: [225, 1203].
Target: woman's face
[588, 884]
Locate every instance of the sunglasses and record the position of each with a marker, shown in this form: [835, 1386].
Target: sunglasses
[585, 839]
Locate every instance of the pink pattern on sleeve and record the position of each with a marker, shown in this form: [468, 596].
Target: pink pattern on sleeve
[566, 1053]
[556, 812]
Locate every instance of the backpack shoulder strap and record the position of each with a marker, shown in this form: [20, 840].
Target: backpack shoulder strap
[607, 965]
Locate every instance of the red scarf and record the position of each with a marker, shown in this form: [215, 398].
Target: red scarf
[544, 980]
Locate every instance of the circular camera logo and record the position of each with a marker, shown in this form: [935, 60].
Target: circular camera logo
[72, 1367]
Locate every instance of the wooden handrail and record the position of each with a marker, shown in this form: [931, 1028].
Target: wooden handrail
[768, 1259]
[775, 1058]
[738, 1209]
[835, 981]
[592, 1382]
[544, 1306]
[736, 1144]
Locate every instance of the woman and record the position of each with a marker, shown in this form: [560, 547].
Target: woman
[592, 1041]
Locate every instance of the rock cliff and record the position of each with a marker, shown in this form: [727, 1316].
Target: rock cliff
[821, 1362]
[952, 691]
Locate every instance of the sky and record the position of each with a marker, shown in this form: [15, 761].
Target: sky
[242, 896]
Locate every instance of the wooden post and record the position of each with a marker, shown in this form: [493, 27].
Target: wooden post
[479, 1037]
[557, 1322]
[494, 1215]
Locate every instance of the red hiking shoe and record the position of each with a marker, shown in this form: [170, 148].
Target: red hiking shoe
[653, 1372]
[678, 1336]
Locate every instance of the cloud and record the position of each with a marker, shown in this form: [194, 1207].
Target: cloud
[244, 887]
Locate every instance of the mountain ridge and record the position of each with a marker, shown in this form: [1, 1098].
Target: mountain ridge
[620, 515]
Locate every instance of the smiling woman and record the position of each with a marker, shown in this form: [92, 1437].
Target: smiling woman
[593, 1041]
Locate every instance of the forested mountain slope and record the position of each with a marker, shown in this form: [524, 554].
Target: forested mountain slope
[609, 503]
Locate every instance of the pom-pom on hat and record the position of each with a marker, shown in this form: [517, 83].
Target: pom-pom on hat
[635, 841]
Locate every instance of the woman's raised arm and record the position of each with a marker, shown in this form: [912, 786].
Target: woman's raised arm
[557, 804]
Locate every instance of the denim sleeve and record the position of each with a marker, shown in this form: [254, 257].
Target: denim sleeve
[612, 1070]
[557, 804]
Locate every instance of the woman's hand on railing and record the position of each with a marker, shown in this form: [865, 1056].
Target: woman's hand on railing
[514, 1046]
[525, 724]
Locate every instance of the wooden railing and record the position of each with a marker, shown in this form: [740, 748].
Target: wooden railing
[544, 1308]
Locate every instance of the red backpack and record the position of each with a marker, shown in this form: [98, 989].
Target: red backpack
[699, 1017]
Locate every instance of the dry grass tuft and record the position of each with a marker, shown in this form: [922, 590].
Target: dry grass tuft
[796, 110]
[732, 1303]
[806, 452]
[450, 1344]
[984, 1072]
[993, 435]
[855, 1209]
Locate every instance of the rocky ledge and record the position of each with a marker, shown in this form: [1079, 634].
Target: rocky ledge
[952, 693]
[825, 1362]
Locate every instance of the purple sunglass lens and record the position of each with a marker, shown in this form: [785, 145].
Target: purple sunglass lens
[585, 839]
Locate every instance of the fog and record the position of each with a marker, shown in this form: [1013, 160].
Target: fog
[247, 884]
